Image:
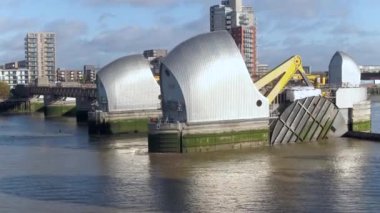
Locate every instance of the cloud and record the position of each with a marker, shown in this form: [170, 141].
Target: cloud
[71, 48]
[301, 9]
[105, 16]
[141, 3]
[66, 29]
[13, 47]
[12, 37]
[76, 46]
[130, 2]
[11, 25]
[351, 29]
[315, 29]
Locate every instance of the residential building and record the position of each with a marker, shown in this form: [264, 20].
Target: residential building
[14, 73]
[89, 73]
[220, 18]
[40, 55]
[262, 69]
[15, 65]
[245, 39]
[64, 75]
[155, 53]
[239, 20]
[155, 56]
[240, 15]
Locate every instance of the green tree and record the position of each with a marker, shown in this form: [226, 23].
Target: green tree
[4, 90]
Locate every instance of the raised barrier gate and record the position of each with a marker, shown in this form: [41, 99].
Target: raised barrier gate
[308, 119]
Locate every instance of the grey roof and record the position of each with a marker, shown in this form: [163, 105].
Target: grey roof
[127, 84]
[343, 70]
[204, 79]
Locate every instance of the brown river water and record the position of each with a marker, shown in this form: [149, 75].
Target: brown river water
[54, 166]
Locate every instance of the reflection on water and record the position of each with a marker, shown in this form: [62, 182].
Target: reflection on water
[53, 166]
[91, 190]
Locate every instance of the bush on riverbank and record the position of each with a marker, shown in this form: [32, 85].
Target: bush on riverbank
[4, 90]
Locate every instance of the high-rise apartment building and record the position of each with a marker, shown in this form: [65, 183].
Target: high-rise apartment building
[155, 56]
[239, 20]
[40, 55]
[245, 37]
[262, 70]
[220, 18]
[89, 73]
[155, 53]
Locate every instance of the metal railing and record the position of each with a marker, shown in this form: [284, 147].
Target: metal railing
[88, 90]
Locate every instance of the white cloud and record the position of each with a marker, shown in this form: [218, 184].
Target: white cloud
[313, 28]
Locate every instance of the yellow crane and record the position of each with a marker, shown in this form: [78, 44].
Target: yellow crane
[285, 72]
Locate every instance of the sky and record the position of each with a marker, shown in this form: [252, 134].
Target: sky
[100, 31]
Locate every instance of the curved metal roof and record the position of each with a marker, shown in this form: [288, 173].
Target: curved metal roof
[343, 70]
[205, 79]
[127, 84]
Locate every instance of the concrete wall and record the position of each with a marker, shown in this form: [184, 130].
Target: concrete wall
[361, 112]
[206, 137]
[361, 117]
[347, 97]
[120, 122]
[59, 106]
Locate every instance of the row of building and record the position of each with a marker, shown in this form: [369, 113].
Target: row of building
[21, 72]
[229, 15]
[40, 49]
[40, 63]
[88, 74]
[18, 72]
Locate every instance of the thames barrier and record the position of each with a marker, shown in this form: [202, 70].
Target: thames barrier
[205, 100]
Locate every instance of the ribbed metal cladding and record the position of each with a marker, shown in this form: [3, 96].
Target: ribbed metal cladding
[209, 75]
[308, 119]
[127, 84]
[343, 71]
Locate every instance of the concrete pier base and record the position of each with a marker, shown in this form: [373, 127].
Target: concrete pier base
[59, 106]
[183, 138]
[81, 115]
[83, 106]
[361, 117]
[59, 110]
[356, 108]
[36, 106]
[131, 122]
[364, 136]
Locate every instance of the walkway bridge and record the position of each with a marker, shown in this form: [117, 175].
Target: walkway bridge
[74, 91]
[55, 97]
[370, 76]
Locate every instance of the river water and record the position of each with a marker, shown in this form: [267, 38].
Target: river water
[53, 166]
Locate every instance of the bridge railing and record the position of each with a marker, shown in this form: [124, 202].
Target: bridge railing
[64, 91]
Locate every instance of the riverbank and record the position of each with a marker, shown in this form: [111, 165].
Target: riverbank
[15, 106]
